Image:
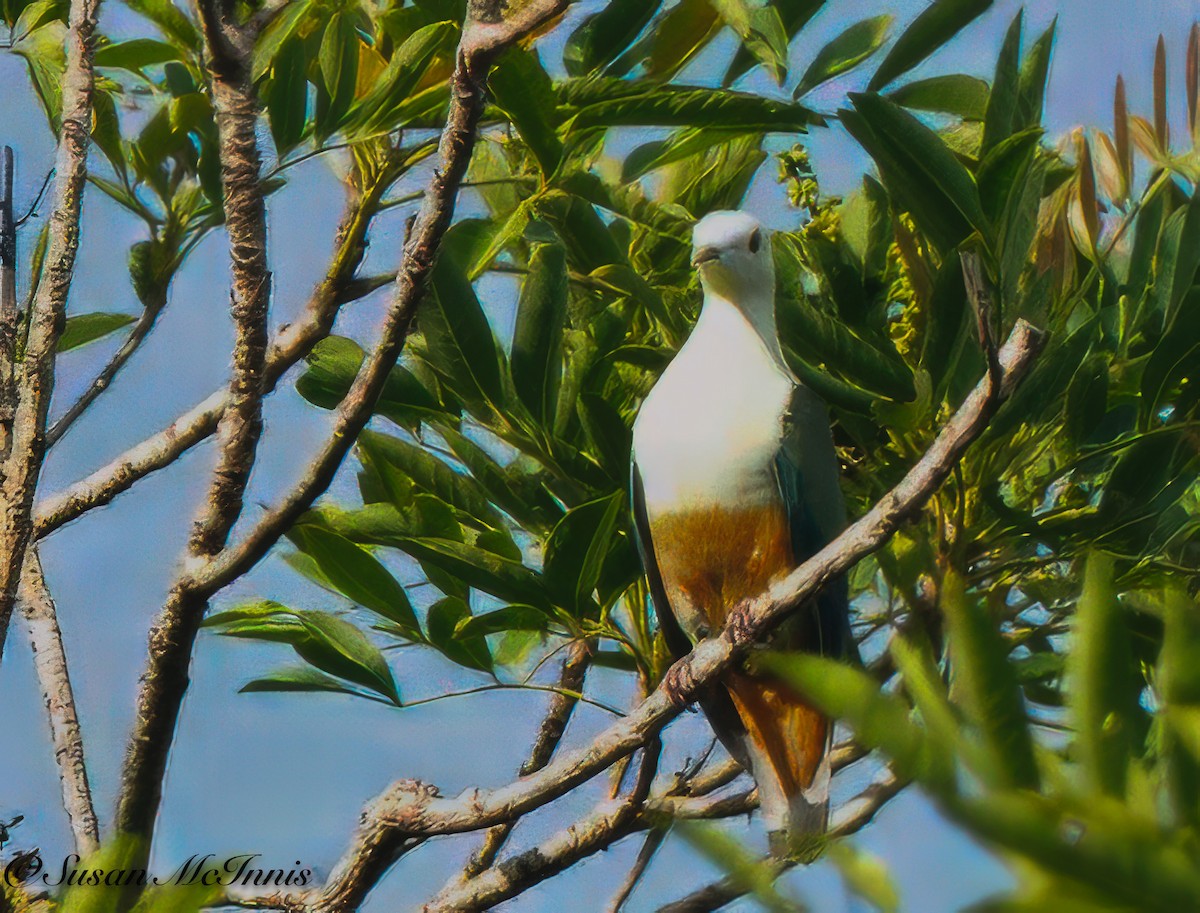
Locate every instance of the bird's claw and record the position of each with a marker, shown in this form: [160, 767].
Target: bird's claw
[739, 626]
[679, 685]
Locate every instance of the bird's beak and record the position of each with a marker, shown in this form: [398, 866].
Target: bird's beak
[705, 255]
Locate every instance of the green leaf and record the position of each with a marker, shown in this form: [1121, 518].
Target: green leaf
[335, 646]
[171, 20]
[761, 31]
[602, 36]
[282, 27]
[923, 158]
[621, 103]
[524, 91]
[338, 59]
[135, 54]
[748, 873]
[845, 52]
[297, 678]
[446, 623]
[1000, 120]
[866, 876]
[577, 547]
[1035, 70]
[955, 93]
[986, 683]
[461, 346]
[286, 96]
[879, 720]
[84, 328]
[432, 475]
[382, 109]
[351, 570]
[940, 21]
[509, 618]
[501, 577]
[794, 14]
[1104, 682]
[332, 366]
[537, 355]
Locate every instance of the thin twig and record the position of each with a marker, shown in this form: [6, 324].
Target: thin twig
[50, 664]
[103, 380]
[550, 733]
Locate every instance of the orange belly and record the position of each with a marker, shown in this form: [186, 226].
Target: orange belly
[710, 560]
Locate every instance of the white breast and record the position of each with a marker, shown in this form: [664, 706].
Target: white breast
[709, 431]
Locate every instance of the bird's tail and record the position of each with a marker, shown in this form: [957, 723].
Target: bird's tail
[787, 741]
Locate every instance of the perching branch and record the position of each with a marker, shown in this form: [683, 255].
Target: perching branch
[173, 636]
[50, 664]
[34, 376]
[417, 812]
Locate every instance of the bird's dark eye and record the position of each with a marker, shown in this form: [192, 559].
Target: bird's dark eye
[755, 241]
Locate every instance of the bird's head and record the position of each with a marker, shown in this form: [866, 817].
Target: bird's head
[732, 253]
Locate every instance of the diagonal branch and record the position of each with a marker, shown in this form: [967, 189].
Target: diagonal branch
[50, 664]
[35, 374]
[166, 681]
[418, 812]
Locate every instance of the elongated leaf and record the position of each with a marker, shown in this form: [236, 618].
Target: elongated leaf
[845, 52]
[332, 366]
[501, 577]
[987, 686]
[1103, 687]
[956, 93]
[286, 96]
[84, 328]
[354, 572]
[577, 547]
[923, 154]
[1034, 71]
[297, 678]
[509, 618]
[795, 14]
[135, 54]
[524, 91]
[335, 646]
[761, 31]
[1005, 97]
[338, 59]
[410, 65]
[170, 20]
[446, 624]
[941, 21]
[641, 105]
[537, 359]
[602, 36]
[277, 33]
[431, 474]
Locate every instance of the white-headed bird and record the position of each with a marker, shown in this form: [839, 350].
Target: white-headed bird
[735, 483]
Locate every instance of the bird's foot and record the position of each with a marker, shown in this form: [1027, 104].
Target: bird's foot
[679, 685]
[739, 623]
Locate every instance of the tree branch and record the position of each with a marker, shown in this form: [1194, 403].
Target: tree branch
[35, 374]
[50, 664]
[173, 636]
[418, 813]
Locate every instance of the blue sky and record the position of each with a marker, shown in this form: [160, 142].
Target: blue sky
[284, 775]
